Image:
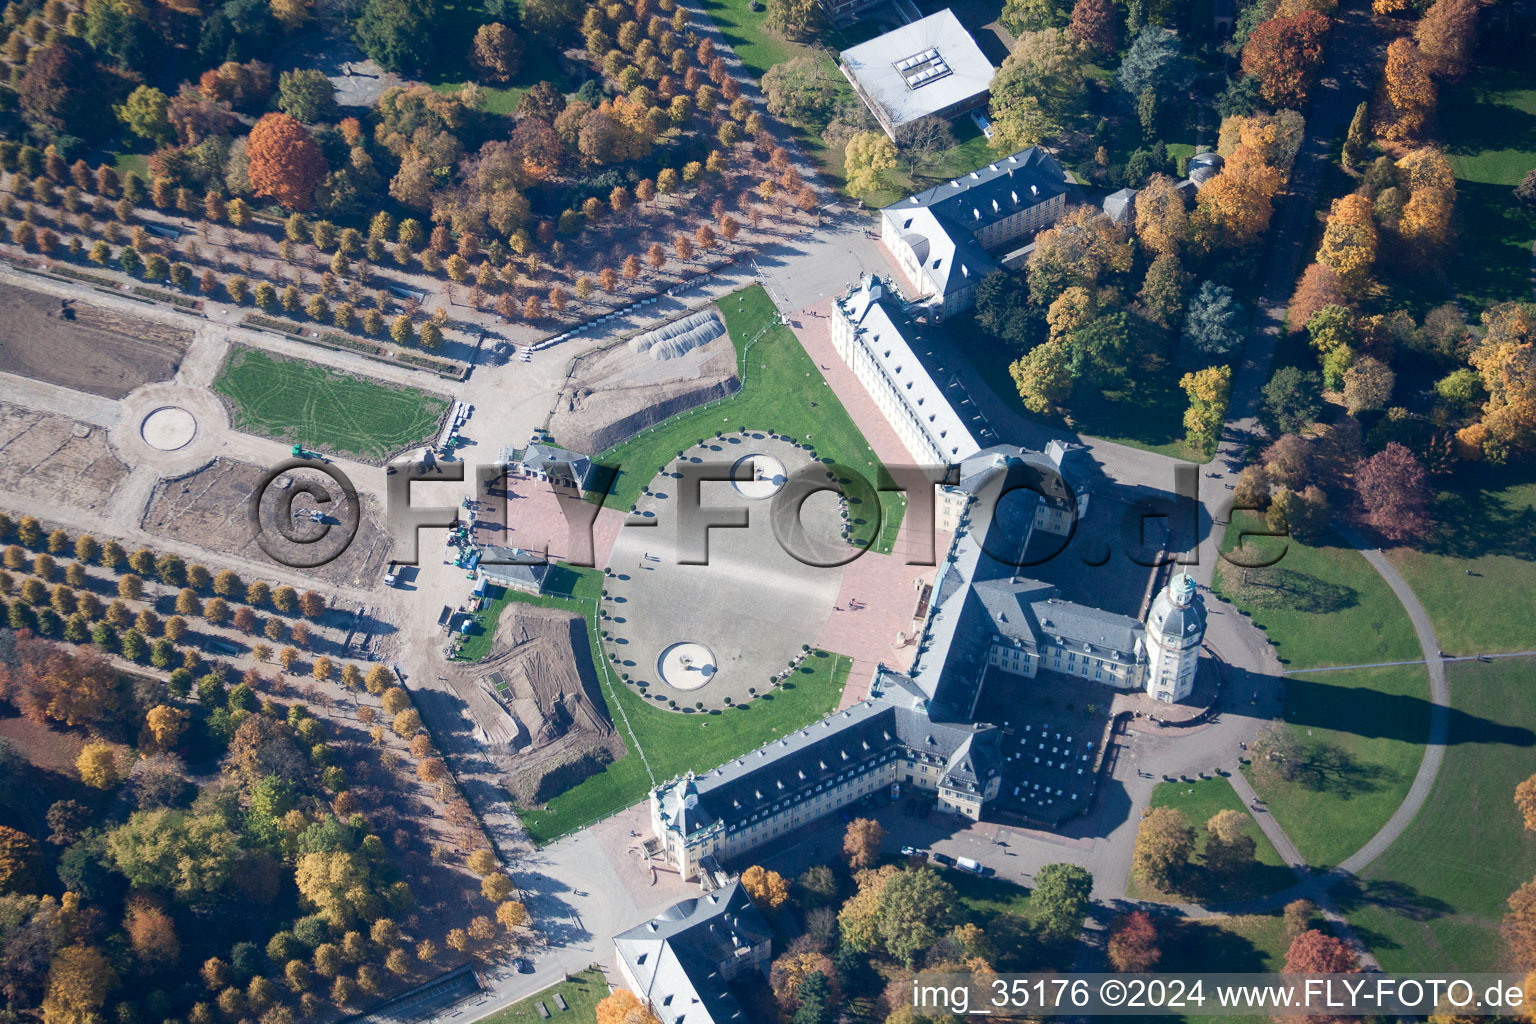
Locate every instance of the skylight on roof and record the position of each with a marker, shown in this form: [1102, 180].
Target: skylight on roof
[923, 68]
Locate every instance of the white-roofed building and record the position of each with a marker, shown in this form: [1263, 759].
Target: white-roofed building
[682, 962]
[942, 238]
[931, 67]
[870, 333]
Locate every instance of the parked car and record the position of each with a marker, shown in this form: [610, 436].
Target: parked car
[912, 851]
[944, 859]
[973, 866]
[522, 965]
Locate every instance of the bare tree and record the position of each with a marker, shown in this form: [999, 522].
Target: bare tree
[920, 139]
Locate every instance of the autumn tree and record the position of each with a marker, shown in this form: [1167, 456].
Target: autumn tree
[1446, 33]
[1162, 221]
[1368, 385]
[866, 156]
[1229, 849]
[151, 934]
[1394, 489]
[1233, 209]
[1284, 54]
[20, 860]
[285, 163]
[914, 908]
[1407, 93]
[767, 888]
[79, 980]
[1044, 377]
[1207, 390]
[1317, 952]
[1525, 802]
[97, 765]
[497, 52]
[1093, 26]
[795, 19]
[622, 1006]
[1133, 943]
[1349, 242]
[1164, 842]
[861, 842]
[1319, 286]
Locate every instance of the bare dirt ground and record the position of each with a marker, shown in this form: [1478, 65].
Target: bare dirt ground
[57, 460]
[209, 506]
[85, 347]
[537, 699]
[614, 394]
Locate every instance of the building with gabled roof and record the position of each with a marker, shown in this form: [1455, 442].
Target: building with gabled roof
[555, 465]
[943, 238]
[927, 68]
[681, 963]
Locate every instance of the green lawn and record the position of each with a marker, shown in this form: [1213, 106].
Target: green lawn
[582, 994]
[1321, 604]
[1362, 733]
[985, 899]
[779, 384]
[1433, 901]
[538, 66]
[673, 742]
[1240, 944]
[1476, 572]
[1200, 801]
[1490, 127]
[324, 409]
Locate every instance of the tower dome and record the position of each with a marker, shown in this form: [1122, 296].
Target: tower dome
[1177, 617]
[1175, 630]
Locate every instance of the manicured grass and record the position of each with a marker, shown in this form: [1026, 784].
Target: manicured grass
[582, 994]
[1199, 802]
[1320, 603]
[1240, 944]
[1362, 733]
[779, 383]
[758, 48]
[673, 742]
[1490, 127]
[985, 899]
[1476, 572]
[1433, 901]
[325, 409]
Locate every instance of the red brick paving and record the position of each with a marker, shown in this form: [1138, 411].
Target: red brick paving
[881, 584]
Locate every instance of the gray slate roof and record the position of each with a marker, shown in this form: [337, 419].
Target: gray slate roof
[676, 956]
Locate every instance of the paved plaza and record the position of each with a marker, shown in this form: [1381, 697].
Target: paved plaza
[749, 609]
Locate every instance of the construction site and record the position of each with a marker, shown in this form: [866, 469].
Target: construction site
[534, 706]
[57, 459]
[210, 505]
[616, 392]
[90, 348]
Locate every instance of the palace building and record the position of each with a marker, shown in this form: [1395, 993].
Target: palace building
[943, 239]
[918, 728]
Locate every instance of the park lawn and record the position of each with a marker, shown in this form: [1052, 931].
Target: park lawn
[582, 994]
[1363, 733]
[1321, 603]
[323, 409]
[1200, 801]
[1434, 900]
[779, 382]
[1490, 127]
[1239, 944]
[674, 742]
[1476, 572]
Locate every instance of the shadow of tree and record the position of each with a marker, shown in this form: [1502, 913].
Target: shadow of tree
[1395, 897]
[1278, 587]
